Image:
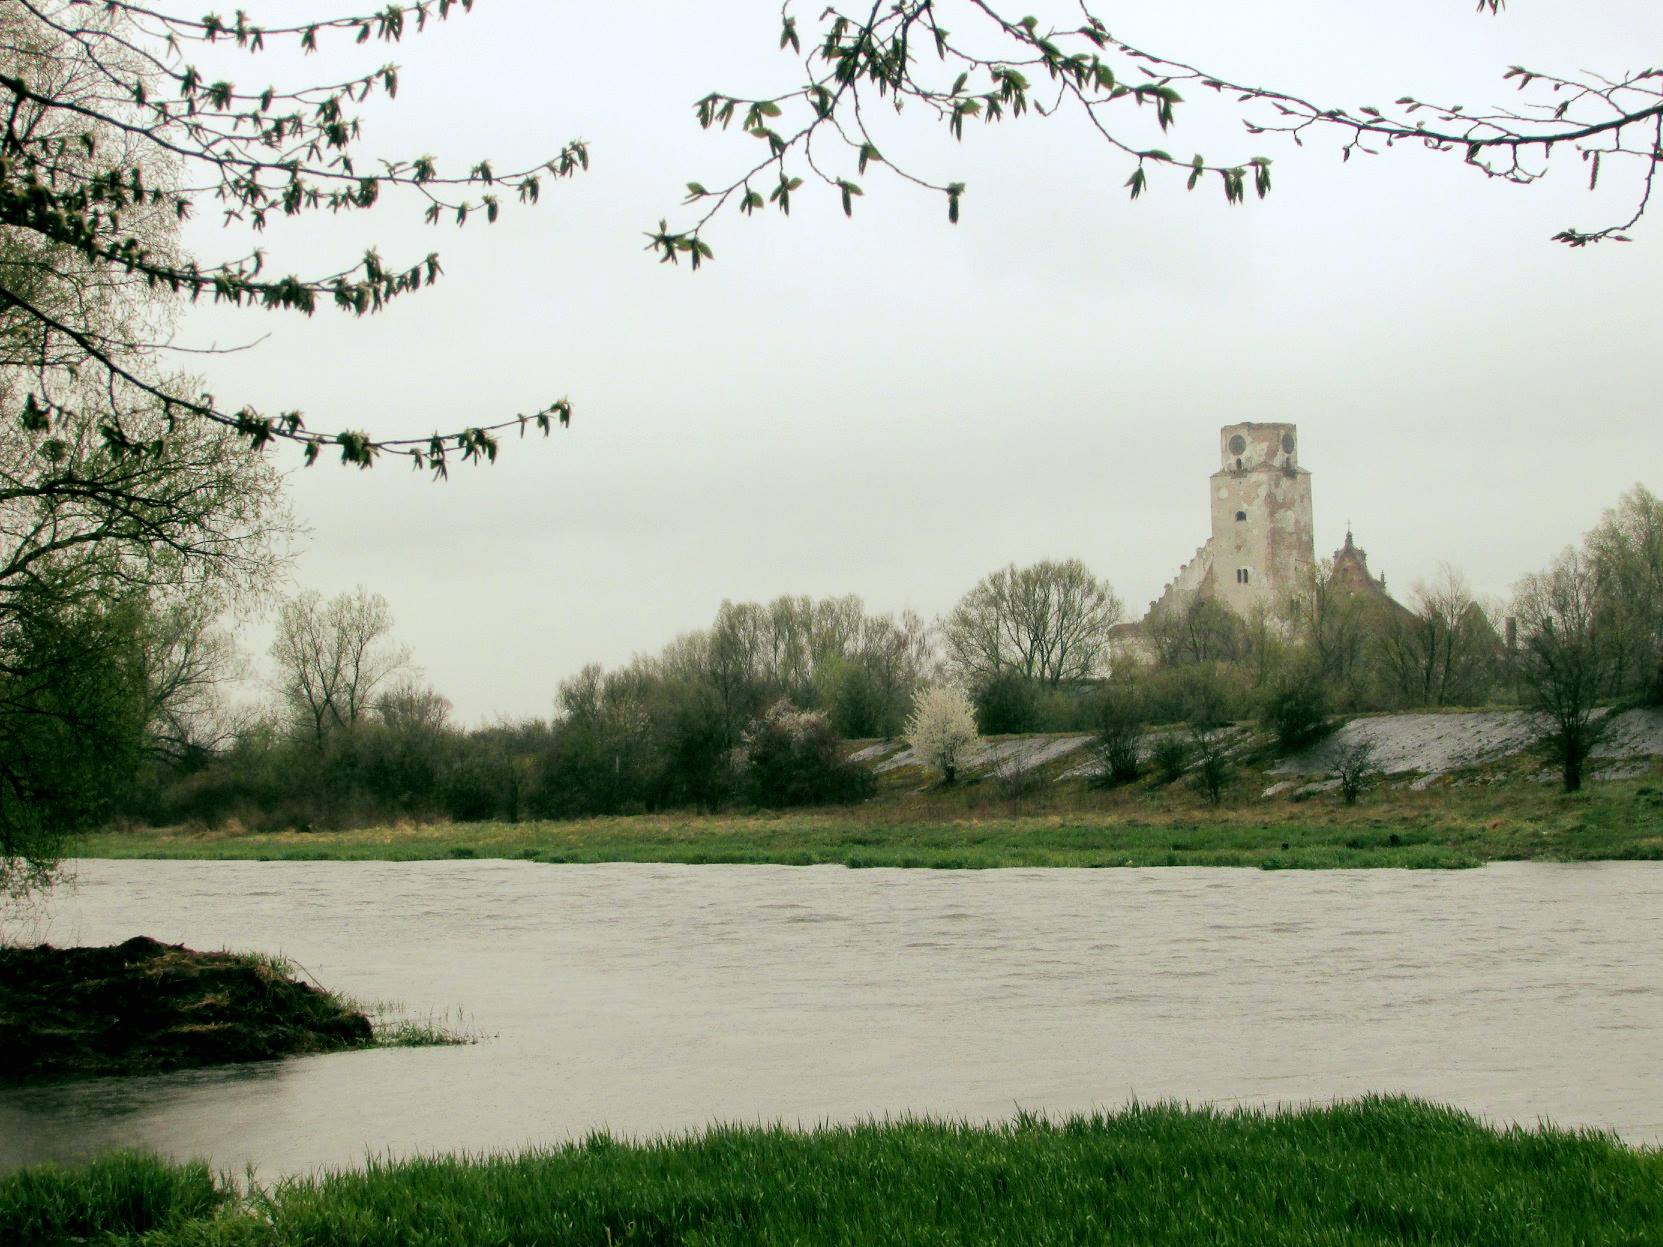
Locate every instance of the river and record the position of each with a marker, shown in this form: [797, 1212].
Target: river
[645, 999]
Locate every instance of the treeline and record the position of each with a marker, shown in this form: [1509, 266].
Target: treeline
[753, 710]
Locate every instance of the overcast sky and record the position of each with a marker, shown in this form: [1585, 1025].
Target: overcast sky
[892, 406]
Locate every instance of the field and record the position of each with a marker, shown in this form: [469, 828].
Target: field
[984, 825]
[1376, 1171]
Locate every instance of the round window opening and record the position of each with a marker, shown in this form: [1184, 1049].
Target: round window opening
[1238, 444]
[1287, 443]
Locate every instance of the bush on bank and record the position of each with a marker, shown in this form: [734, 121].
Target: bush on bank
[1377, 1171]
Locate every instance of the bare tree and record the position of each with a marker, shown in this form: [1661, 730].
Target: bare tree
[333, 656]
[1357, 770]
[1561, 661]
[413, 708]
[1334, 623]
[734, 664]
[1049, 623]
[1214, 767]
[188, 660]
[1443, 649]
[1196, 629]
[1625, 555]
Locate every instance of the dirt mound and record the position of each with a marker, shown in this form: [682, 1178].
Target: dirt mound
[145, 1007]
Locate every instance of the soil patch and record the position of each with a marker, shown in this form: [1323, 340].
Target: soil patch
[146, 1007]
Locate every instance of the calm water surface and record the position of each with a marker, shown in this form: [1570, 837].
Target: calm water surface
[654, 998]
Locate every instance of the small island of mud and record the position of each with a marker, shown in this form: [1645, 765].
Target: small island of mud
[145, 1007]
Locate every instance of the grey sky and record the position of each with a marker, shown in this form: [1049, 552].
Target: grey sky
[892, 406]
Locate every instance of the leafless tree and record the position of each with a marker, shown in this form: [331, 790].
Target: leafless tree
[1561, 661]
[1049, 622]
[189, 660]
[734, 656]
[1443, 649]
[1357, 770]
[1625, 556]
[333, 656]
[1214, 766]
[1333, 621]
[1196, 629]
[413, 708]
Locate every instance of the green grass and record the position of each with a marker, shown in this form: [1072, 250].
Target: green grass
[1370, 1173]
[973, 828]
[390, 1025]
[394, 1028]
[122, 1194]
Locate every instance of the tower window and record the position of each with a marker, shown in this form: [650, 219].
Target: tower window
[1238, 465]
[1240, 516]
[1241, 575]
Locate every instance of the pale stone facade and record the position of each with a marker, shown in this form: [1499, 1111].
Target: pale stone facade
[1261, 552]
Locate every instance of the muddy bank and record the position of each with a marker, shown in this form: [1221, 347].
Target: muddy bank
[146, 1007]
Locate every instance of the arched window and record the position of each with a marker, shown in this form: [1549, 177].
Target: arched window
[1241, 575]
[1240, 516]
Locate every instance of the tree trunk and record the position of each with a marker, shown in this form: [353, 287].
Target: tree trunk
[1574, 749]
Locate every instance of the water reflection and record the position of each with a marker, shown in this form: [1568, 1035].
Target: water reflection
[652, 998]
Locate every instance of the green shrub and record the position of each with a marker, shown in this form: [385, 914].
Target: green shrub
[1201, 694]
[1357, 771]
[1296, 711]
[1118, 721]
[1006, 703]
[1214, 768]
[1170, 755]
[792, 757]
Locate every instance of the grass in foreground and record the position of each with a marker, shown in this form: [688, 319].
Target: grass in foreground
[973, 828]
[1370, 1173]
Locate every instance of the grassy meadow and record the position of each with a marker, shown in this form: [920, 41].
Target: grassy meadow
[985, 824]
[1372, 1172]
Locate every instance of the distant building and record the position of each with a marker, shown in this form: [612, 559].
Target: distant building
[1351, 571]
[1261, 552]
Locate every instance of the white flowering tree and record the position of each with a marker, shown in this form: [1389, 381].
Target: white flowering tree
[942, 729]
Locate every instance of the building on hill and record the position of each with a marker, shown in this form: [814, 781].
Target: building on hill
[1261, 552]
[1261, 556]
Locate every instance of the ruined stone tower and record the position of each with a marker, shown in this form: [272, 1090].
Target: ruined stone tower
[1261, 552]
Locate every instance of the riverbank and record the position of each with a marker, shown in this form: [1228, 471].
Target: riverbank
[144, 1007]
[1376, 1171]
[980, 827]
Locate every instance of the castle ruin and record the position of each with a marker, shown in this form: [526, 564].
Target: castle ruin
[1261, 552]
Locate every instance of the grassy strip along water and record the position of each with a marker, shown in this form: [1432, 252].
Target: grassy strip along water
[1449, 827]
[1377, 1171]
